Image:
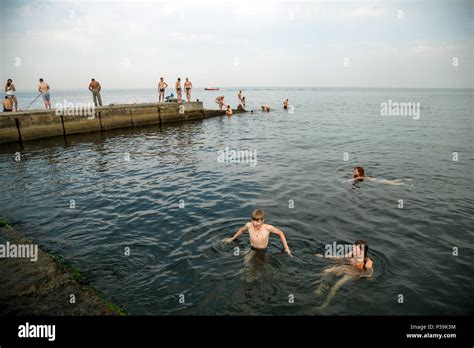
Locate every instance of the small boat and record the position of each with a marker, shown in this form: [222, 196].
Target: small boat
[211, 88]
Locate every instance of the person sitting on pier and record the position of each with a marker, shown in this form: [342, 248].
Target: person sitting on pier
[220, 101]
[229, 111]
[161, 90]
[265, 108]
[7, 104]
[170, 98]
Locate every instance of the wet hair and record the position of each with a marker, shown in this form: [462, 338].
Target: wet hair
[41, 80]
[258, 214]
[9, 81]
[361, 173]
[228, 106]
[6, 97]
[92, 79]
[365, 244]
[179, 78]
[161, 78]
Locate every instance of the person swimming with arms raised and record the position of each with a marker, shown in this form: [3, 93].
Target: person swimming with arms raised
[356, 264]
[259, 233]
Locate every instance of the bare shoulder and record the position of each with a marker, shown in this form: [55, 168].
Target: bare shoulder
[369, 264]
[270, 228]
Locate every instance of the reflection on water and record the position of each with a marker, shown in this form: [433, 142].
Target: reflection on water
[173, 203]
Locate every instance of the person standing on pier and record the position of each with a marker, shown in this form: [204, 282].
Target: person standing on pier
[178, 90]
[10, 89]
[161, 90]
[43, 88]
[240, 96]
[220, 101]
[95, 88]
[187, 86]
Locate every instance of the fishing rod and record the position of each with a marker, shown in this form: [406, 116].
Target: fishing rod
[34, 100]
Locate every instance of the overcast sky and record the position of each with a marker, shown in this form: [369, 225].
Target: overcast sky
[241, 43]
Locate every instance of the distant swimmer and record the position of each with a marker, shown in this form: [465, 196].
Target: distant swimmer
[285, 104]
[161, 90]
[10, 89]
[7, 104]
[188, 86]
[356, 264]
[265, 108]
[178, 90]
[229, 112]
[359, 176]
[220, 102]
[43, 88]
[259, 233]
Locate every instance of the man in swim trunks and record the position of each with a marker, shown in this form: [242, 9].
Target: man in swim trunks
[95, 88]
[161, 90]
[43, 88]
[10, 89]
[178, 89]
[7, 104]
[259, 233]
[187, 86]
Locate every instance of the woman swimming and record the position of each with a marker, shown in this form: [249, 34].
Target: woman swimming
[356, 264]
[359, 176]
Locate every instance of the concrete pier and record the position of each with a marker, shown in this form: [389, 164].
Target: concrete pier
[36, 124]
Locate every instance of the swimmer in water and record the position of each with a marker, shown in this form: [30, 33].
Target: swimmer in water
[357, 264]
[359, 176]
[229, 112]
[285, 104]
[265, 108]
[259, 234]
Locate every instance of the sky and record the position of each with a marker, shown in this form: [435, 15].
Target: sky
[242, 43]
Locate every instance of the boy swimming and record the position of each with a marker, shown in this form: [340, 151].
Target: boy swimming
[259, 233]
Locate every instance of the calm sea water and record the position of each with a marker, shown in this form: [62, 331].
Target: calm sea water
[176, 250]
